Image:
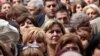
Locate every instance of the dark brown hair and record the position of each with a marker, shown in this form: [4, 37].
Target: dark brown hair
[68, 38]
[26, 16]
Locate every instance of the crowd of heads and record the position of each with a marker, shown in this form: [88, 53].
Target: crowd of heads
[49, 28]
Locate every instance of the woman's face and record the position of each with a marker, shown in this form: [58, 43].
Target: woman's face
[84, 39]
[17, 2]
[53, 34]
[78, 8]
[91, 13]
[71, 47]
[5, 8]
[25, 25]
[37, 42]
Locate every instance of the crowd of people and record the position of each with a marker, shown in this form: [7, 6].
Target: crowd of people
[49, 28]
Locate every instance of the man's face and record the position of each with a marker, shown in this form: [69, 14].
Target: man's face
[50, 8]
[17, 2]
[62, 17]
[32, 9]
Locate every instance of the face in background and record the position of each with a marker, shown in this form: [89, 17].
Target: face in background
[50, 8]
[37, 42]
[32, 9]
[3, 1]
[78, 8]
[85, 28]
[26, 2]
[84, 37]
[54, 34]
[5, 7]
[17, 2]
[25, 25]
[91, 13]
[89, 1]
[62, 17]
[34, 38]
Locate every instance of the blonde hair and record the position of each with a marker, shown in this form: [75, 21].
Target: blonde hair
[93, 6]
[33, 32]
[49, 24]
[31, 52]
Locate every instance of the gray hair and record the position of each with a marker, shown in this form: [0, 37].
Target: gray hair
[78, 19]
[37, 3]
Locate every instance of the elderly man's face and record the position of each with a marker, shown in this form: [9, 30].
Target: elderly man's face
[32, 9]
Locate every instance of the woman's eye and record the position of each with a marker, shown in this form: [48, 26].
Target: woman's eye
[51, 32]
[22, 24]
[29, 22]
[39, 40]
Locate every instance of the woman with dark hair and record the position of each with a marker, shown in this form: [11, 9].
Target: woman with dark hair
[26, 21]
[69, 42]
[78, 6]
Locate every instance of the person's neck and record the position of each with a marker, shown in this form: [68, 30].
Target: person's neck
[50, 17]
[51, 50]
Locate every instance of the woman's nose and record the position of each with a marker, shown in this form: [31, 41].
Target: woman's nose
[26, 25]
[55, 33]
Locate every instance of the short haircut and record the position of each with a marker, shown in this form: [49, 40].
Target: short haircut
[44, 1]
[63, 10]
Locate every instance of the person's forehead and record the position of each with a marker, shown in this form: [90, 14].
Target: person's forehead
[61, 13]
[6, 4]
